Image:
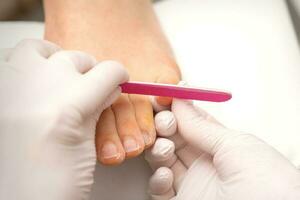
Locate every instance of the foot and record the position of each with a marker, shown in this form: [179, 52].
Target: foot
[126, 31]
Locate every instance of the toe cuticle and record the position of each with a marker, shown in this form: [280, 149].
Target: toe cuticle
[109, 151]
[130, 144]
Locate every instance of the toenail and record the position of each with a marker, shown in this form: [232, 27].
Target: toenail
[130, 144]
[109, 150]
[147, 138]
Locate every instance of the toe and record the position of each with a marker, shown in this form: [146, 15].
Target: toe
[144, 116]
[127, 126]
[109, 147]
[172, 76]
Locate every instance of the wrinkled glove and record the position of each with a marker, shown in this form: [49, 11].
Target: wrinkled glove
[50, 101]
[204, 160]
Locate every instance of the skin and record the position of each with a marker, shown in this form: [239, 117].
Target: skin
[127, 31]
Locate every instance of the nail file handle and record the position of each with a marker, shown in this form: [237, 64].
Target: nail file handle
[175, 91]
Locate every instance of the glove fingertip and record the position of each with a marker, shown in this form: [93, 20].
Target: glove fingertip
[162, 150]
[165, 123]
[115, 68]
[161, 181]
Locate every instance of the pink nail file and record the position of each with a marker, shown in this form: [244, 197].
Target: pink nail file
[175, 91]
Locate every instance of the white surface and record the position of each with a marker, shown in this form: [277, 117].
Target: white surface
[247, 46]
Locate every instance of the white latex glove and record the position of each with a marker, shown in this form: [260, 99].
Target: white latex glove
[50, 101]
[207, 161]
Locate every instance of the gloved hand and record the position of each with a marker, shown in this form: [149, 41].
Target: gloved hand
[204, 160]
[50, 101]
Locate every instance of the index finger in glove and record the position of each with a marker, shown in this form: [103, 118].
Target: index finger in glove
[96, 85]
[75, 61]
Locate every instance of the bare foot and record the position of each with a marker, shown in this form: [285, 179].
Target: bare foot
[126, 31]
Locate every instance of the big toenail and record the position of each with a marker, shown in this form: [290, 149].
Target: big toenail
[130, 144]
[109, 150]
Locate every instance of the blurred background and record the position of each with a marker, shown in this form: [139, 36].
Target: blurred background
[28, 10]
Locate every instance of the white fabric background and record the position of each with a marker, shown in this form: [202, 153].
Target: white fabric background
[248, 47]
